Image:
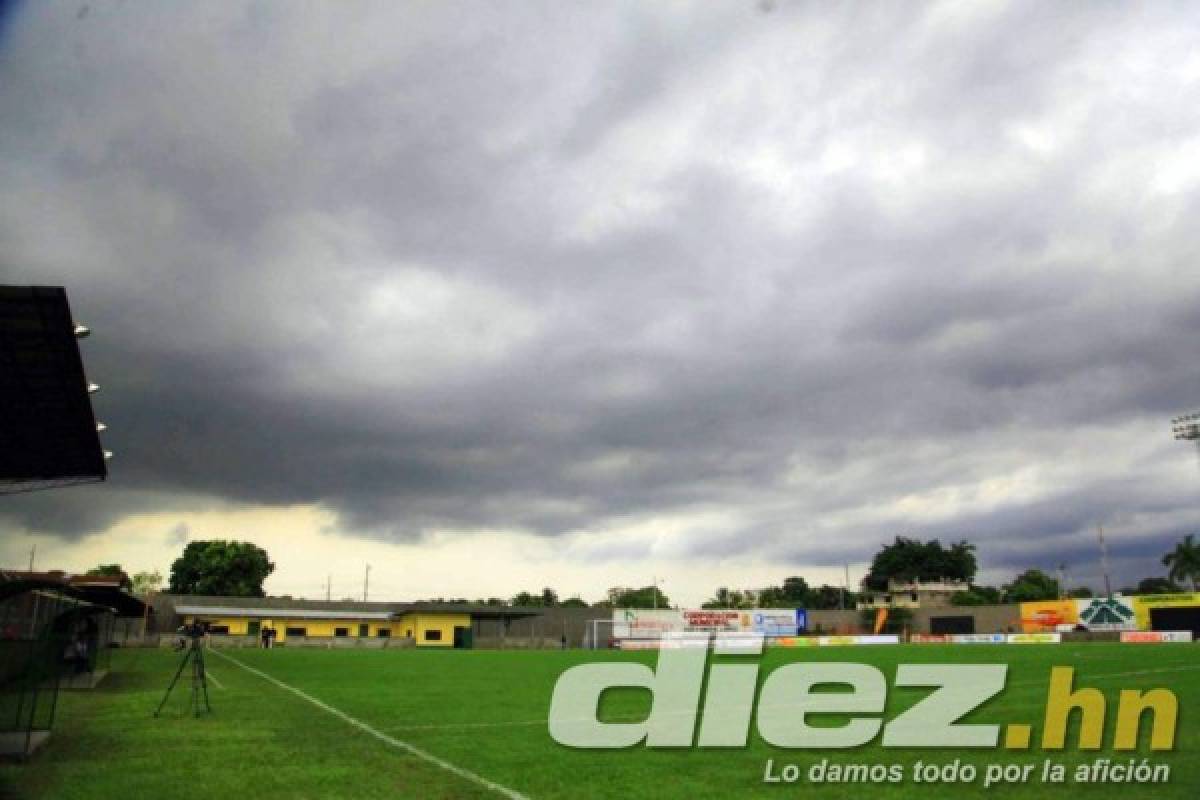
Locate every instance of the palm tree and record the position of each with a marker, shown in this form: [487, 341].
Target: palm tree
[1184, 561]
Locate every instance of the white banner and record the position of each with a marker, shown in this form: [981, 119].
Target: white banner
[1155, 637]
[638, 623]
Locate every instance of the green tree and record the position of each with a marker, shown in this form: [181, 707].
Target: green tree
[1080, 591]
[727, 598]
[221, 568]
[1183, 563]
[1030, 586]
[549, 597]
[828, 598]
[1155, 586]
[913, 560]
[795, 592]
[110, 571]
[574, 601]
[977, 596]
[146, 582]
[527, 599]
[645, 597]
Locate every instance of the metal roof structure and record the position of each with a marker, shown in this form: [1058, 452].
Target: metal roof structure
[290, 608]
[280, 613]
[48, 433]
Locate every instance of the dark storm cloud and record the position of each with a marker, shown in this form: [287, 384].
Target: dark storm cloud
[557, 270]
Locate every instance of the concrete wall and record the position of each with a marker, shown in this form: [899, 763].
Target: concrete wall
[988, 619]
[543, 631]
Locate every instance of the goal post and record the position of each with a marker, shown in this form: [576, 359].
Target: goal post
[599, 634]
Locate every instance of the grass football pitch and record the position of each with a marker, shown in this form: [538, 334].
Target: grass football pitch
[480, 716]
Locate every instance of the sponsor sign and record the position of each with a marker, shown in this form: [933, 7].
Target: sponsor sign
[1155, 637]
[1143, 603]
[929, 638]
[1107, 613]
[631, 623]
[978, 638]
[1033, 638]
[834, 641]
[1047, 615]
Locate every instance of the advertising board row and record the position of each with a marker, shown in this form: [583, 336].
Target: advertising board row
[631, 623]
[986, 638]
[677, 641]
[1116, 613]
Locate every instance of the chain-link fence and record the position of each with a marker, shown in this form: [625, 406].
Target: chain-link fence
[47, 638]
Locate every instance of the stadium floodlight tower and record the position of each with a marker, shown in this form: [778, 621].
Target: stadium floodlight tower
[1187, 429]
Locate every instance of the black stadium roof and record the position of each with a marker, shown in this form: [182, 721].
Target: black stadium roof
[47, 431]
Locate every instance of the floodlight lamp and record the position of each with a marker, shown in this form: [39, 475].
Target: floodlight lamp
[82, 331]
[101, 427]
[93, 388]
[108, 454]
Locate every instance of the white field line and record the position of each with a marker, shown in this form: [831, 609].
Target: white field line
[736, 714]
[208, 673]
[465, 774]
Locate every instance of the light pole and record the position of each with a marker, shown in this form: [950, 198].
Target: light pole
[654, 590]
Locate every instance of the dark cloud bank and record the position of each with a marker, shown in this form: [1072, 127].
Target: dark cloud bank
[848, 273]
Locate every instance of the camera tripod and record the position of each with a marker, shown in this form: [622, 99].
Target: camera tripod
[194, 655]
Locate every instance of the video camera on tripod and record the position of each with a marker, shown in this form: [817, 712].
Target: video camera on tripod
[191, 638]
[190, 632]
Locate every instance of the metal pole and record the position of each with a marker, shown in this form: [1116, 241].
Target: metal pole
[366, 582]
[1104, 560]
[653, 591]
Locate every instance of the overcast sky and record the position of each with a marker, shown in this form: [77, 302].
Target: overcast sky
[498, 296]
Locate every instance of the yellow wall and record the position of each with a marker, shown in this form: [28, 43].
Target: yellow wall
[1143, 603]
[239, 626]
[418, 624]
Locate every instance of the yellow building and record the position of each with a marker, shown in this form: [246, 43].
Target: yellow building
[422, 625]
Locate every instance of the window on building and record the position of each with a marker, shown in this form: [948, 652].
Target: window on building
[914, 597]
[218, 629]
[296, 631]
[341, 631]
[433, 635]
[408, 634]
[364, 631]
[383, 633]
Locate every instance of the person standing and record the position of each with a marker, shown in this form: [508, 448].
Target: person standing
[264, 635]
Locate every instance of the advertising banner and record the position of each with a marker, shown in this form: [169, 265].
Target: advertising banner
[1107, 613]
[1155, 637]
[633, 623]
[978, 638]
[1033, 638]
[1047, 615]
[834, 641]
[929, 638]
[1142, 605]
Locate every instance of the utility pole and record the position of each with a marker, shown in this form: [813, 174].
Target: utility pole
[654, 591]
[32, 553]
[845, 587]
[329, 587]
[366, 582]
[1062, 581]
[1104, 560]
